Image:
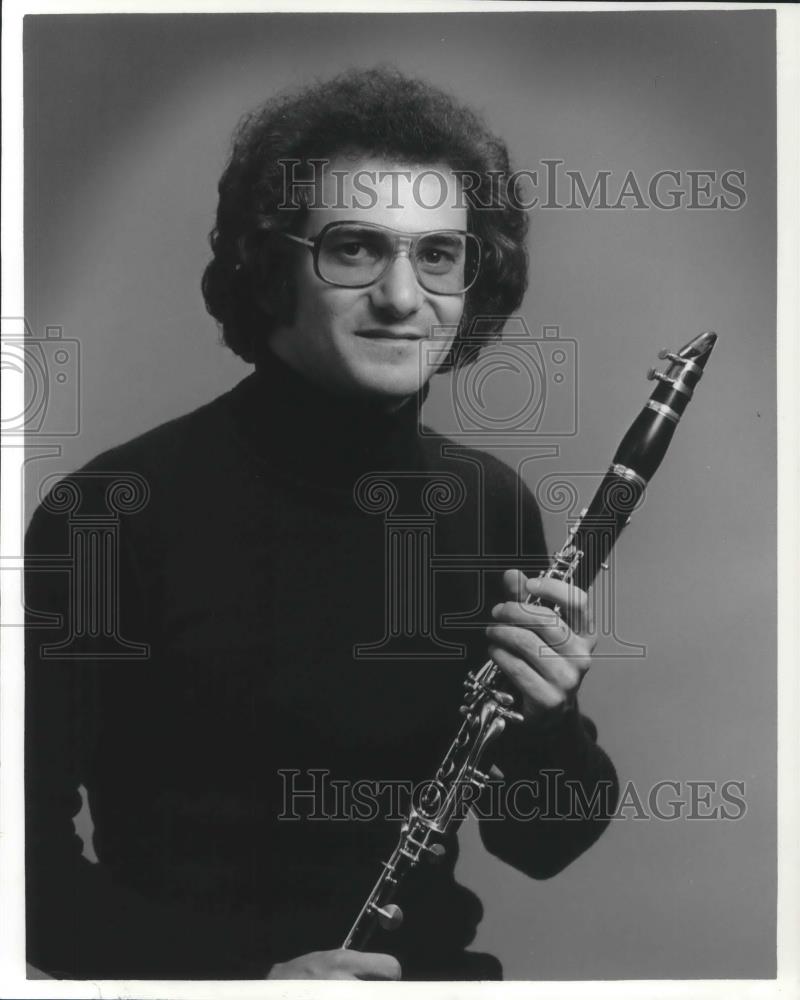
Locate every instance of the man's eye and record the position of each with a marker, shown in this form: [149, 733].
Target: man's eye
[354, 251]
[437, 257]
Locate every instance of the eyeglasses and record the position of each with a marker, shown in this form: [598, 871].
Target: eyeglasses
[358, 254]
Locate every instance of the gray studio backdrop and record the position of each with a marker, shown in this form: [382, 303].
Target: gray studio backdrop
[127, 123]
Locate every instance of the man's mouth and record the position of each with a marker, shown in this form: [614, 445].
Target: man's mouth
[381, 333]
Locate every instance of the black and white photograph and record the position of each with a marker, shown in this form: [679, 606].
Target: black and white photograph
[391, 500]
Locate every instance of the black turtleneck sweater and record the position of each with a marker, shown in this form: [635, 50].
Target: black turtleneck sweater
[249, 567]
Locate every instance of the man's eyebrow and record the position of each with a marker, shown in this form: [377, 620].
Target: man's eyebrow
[356, 229]
[365, 227]
[448, 237]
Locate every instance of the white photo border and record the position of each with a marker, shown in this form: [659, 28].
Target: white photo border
[13, 980]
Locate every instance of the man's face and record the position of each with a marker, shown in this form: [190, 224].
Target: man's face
[374, 342]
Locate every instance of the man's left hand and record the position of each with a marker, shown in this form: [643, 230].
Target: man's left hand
[545, 654]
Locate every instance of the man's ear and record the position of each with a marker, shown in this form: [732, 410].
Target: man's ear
[273, 296]
[265, 301]
[267, 267]
[272, 292]
[260, 267]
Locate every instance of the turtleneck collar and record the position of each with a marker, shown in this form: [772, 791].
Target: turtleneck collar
[305, 430]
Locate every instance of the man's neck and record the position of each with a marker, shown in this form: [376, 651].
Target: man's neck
[378, 402]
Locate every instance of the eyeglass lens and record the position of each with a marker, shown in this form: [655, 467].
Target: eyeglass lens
[444, 262]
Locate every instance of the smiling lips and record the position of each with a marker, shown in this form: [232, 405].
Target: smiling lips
[383, 334]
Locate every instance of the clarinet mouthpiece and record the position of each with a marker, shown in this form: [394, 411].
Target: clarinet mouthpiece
[699, 349]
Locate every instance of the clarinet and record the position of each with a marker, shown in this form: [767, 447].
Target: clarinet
[487, 706]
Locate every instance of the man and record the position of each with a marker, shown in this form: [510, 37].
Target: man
[351, 262]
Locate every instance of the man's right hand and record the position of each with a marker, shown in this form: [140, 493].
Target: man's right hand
[343, 963]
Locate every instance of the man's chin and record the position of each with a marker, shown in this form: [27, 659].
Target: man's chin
[390, 384]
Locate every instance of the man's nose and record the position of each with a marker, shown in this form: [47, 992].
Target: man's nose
[398, 290]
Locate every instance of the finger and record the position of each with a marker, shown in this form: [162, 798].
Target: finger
[371, 965]
[529, 648]
[515, 585]
[549, 627]
[573, 603]
[535, 689]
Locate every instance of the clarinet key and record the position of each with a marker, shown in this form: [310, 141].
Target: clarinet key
[435, 852]
[389, 917]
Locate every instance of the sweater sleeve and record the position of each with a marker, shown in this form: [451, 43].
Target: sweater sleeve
[81, 923]
[556, 795]
[558, 787]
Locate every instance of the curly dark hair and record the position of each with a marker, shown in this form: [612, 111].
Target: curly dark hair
[383, 113]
